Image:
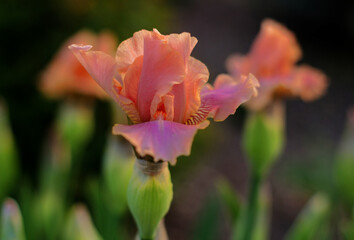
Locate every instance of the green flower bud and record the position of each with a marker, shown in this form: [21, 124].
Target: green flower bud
[49, 210]
[79, 225]
[344, 165]
[149, 195]
[11, 221]
[56, 165]
[117, 170]
[263, 137]
[75, 126]
[8, 155]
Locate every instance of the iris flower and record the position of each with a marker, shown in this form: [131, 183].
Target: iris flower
[66, 76]
[163, 90]
[272, 60]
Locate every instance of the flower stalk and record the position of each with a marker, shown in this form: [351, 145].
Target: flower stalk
[252, 206]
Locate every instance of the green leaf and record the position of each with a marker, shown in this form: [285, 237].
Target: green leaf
[8, 154]
[344, 164]
[229, 198]
[209, 220]
[261, 225]
[312, 220]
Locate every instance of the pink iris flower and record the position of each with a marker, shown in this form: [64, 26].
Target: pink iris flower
[272, 60]
[66, 76]
[163, 91]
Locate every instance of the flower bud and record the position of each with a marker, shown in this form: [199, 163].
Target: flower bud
[75, 125]
[117, 170]
[11, 221]
[49, 208]
[79, 225]
[149, 195]
[264, 136]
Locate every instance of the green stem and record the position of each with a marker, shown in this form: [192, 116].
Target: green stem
[252, 207]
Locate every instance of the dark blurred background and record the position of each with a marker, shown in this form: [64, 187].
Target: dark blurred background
[32, 31]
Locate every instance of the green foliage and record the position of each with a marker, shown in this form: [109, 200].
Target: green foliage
[149, 198]
[11, 221]
[208, 221]
[344, 164]
[347, 228]
[8, 155]
[261, 219]
[263, 138]
[312, 221]
[229, 198]
[109, 225]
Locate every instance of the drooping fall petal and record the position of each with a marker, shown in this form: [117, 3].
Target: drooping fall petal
[309, 83]
[165, 140]
[162, 68]
[225, 98]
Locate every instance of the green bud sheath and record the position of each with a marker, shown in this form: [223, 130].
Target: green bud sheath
[149, 195]
[264, 136]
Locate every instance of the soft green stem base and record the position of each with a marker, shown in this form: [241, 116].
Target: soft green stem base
[252, 207]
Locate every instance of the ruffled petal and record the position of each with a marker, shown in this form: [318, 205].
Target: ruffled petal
[309, 83]
[187, 94]
[162, 68]
[132, 48]
[65, 75]
[238, 65]
[163, 140]
[183, 43]
[225, 98]
[99, 65]
[275, 50]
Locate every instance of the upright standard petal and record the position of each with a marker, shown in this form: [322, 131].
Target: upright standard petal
[132, 48]
[163, 140]
[225, 98]
[183, 43]
[99, 65]
[275, 50]
[162, 68]
[187, 94]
